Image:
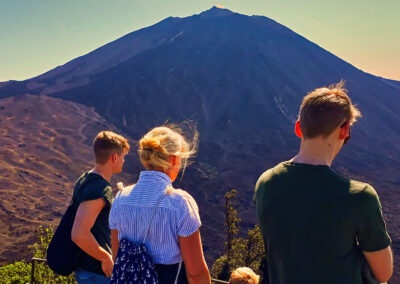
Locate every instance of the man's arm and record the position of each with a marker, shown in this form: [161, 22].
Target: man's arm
[372, 235]
[114, 243]
[381, 263]
[85, 217]
[192, 253]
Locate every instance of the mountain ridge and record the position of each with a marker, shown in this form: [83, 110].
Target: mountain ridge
[33, 87]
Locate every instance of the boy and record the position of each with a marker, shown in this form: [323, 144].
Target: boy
[93, 195]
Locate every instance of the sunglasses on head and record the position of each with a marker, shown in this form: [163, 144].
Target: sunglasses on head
[348, 135]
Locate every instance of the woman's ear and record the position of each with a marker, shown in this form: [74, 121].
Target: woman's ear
[297, 129]
[173, 160]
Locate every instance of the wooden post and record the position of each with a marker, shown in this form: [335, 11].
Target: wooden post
[33, 272]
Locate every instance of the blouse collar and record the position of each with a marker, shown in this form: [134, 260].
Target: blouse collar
[155, 176]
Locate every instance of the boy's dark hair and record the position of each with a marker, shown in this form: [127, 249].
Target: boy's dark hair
[107, 143]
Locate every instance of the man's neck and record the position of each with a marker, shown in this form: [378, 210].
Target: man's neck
[104, 171]
[315, 152]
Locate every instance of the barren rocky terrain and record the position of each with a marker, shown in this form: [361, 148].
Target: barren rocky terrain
[45, 145]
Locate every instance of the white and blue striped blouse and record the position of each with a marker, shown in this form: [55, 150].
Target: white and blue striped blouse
[177, 215]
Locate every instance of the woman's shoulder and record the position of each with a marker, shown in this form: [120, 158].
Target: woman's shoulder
[127, 189]
[123, 191]
[182, 197]
[178, 193]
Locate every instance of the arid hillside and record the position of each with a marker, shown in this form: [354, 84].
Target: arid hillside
[45, 144]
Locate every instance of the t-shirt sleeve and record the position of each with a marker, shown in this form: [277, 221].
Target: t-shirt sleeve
[372, 234]
[98, 190]
[188, 216]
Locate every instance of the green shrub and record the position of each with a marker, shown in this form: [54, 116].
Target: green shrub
[239, 252]
[15, 273]
[20, 272]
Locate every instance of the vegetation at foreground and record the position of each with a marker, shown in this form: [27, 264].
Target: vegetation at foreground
[239, 252]
[248, 251]
[20, 272]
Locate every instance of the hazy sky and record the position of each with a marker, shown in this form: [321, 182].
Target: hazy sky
[38, 35]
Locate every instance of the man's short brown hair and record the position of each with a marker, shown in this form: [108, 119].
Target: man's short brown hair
[107, 143]
[324, 109]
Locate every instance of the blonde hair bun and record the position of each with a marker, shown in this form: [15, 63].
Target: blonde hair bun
[157, 145]
[150, 144]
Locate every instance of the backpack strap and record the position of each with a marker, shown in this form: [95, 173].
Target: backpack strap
[152, 217]
[177, 274]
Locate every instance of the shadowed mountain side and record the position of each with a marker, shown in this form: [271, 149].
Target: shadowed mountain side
[45, 145]
[77, 72]
[393, 83]
[238, 76]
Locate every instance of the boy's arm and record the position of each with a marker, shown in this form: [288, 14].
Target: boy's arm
[85, 217]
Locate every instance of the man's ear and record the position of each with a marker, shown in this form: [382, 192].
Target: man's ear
[344, 131]
[297, 129]
[114, 157]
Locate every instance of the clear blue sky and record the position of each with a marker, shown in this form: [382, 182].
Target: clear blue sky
[36, 36]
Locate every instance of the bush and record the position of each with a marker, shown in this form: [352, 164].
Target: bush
[15, 273]
[239, 252]
[20, 272]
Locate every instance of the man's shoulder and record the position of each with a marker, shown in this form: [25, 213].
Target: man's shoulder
[362, 190]
[272, 173]
[268, 180]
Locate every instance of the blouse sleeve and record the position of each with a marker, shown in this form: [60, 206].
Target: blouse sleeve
[188, 216]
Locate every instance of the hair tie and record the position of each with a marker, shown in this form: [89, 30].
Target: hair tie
[148, 149]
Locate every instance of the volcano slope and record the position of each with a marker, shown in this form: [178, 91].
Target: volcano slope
[45, 145]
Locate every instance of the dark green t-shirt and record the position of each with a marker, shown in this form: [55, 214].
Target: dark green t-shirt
[315, 224]
[91, 186]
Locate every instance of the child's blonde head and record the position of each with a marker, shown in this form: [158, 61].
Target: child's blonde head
[244, 275]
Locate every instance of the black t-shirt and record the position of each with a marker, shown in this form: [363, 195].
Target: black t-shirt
[91, 186]
[315, 224]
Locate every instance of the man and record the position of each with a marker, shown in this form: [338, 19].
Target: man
[93, 195]
[320, 227]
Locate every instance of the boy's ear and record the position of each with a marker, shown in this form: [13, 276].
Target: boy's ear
[297, 129]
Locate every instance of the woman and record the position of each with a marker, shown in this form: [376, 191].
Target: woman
[165, 219]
